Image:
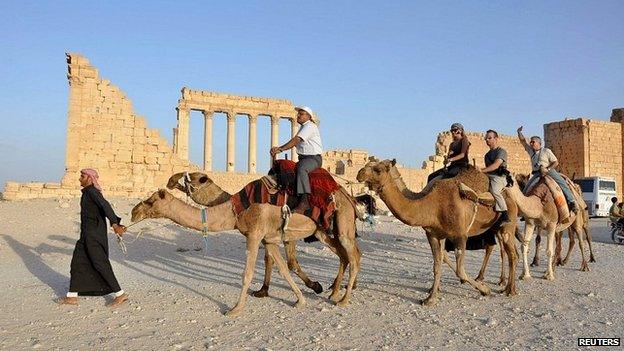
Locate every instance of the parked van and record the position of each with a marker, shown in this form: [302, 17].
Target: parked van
[597, 193]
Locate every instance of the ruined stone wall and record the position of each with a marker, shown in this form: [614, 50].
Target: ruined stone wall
[104, 132]
[587, 148]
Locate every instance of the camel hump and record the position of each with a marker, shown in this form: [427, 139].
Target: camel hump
[475, 180]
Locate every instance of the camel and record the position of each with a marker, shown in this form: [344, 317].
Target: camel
[582, 221]
[444, 214]
[201, 189]
[259, 223]
[544, 215]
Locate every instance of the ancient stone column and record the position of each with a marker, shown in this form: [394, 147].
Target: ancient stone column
[294, 128]
[208, 140]
[251, 151]
[274, 130]
[231, 141]
[183, 133]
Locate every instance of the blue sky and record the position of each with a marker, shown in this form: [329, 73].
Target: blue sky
[393, 74]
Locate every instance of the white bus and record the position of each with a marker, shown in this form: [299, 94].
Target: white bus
[597, 193]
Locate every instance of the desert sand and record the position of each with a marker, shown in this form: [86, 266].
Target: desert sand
[179, 292]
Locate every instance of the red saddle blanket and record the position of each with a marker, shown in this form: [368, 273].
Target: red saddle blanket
[321, 182]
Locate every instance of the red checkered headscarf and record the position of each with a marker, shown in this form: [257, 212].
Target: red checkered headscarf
[93, 175]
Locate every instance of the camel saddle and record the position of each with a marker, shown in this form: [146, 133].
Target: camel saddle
[279, 188]
[485, 198]
[547, 186]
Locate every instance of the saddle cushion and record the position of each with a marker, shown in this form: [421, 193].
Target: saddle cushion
[322, 183]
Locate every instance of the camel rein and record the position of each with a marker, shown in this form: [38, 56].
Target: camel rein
[124, 248]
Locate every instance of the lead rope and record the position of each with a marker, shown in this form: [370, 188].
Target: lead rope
[474, 215]
[204, 218]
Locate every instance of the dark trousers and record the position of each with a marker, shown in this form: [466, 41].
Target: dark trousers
[306, 164]
[448, 172]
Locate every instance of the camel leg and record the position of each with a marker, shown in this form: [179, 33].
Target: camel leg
[529, 227]
[503, 278]
[335, 247]
[283, 269]
[578, 231]
[347, 239]
[486, 259]
[558, 247]
[293, 265]
[538, 241]
[572, 236]
[589, 243]
[268, 268]
[461, 273]
[434, 243]
[512, 258]
[550, 250]
[253, 244]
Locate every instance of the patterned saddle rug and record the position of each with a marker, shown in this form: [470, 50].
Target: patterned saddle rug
[284, 192]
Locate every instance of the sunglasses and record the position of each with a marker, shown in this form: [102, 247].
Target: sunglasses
[455, 131]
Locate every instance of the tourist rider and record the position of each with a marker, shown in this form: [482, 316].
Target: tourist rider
[457, 157]
[496, 169]
[543, 162]
[309, 149]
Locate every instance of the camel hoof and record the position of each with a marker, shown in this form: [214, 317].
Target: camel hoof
[343, 303]
[430, 301]
[592, 259]
[334, 297]
[479, 278]
[549, 277]
[564, 262]
[511, 292]
[301, 303]
[234, 312]
[317, 287]
[525, 277]
[261, 293]
[485, 291]
[584, 267]
[502, 282]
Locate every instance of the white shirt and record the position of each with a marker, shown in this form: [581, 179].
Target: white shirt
[310, 139]
[542, 157]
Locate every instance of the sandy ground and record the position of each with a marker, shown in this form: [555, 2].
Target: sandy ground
[177, 298]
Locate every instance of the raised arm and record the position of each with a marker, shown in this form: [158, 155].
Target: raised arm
[523, 140]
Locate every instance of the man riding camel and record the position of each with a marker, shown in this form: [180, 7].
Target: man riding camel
[543, 162]
[309, 148]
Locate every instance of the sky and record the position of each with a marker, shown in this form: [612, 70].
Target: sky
[386, 77]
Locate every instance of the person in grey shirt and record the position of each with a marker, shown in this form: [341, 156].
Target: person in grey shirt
[543, 162]
[495, 168]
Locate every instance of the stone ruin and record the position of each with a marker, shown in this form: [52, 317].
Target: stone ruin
[104, 132]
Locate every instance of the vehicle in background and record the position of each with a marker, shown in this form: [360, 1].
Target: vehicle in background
[597, 193]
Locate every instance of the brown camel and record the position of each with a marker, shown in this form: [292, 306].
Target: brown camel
[201, 189]
[259, 223]
[444, 214]
[543, 214]
[581, 221]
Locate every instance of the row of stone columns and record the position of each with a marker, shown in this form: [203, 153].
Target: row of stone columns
[181, 138]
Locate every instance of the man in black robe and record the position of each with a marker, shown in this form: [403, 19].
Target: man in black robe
[91, 271]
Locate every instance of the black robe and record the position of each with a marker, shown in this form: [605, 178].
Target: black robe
[91, 271]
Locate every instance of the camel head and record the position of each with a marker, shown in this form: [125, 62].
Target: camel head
[376, 173]
[152, 207]
[188, 182]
